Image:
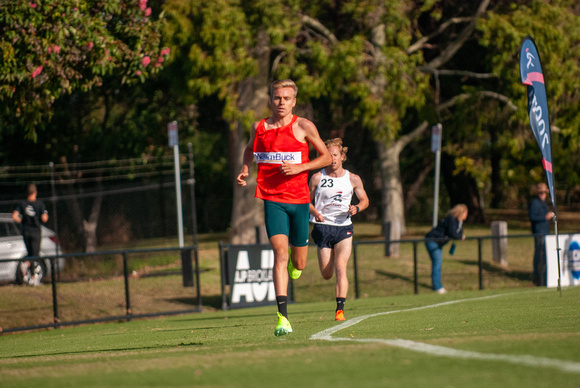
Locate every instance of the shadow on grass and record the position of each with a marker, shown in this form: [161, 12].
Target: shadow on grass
[211, 301]
[172, 346]
[407, 279]
[493, 269]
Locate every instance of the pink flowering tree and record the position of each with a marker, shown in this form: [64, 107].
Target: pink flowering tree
[56, 47]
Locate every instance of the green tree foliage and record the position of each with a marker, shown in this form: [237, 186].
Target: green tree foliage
[351, 56]
[53, 48]
[369, 71]
[212, 43]
[504, 155]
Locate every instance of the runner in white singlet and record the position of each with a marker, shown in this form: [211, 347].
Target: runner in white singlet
[331, 192]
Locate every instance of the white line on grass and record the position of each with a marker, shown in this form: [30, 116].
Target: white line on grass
[326, 335]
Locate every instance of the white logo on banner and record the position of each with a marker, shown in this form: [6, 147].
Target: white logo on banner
[569, 260]
[255, 285]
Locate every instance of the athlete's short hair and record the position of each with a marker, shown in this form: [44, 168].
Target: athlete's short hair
[457, 210]
[31, 189]
[337, 142]
[283, 83]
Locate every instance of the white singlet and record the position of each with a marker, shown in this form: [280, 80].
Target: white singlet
[332, 199]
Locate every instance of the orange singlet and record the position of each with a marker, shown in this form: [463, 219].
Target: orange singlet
[271, 147]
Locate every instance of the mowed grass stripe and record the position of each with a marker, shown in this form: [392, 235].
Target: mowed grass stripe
[237, 348]
[326, 335]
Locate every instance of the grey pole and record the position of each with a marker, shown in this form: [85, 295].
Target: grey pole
[55, 214]
[437, 133]
[172, 129]
[54, 262]
[178, 194]
[191, 182]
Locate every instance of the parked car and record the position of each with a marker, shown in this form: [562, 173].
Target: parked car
[12, 247]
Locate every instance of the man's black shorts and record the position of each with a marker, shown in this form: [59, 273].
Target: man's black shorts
[327, 236]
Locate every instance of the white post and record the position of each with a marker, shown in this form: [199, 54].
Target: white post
[172, 130]
[436, 134]
[499, 242]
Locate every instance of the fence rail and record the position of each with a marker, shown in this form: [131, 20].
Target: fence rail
[103, 267]
[415, 243]
[133, 283]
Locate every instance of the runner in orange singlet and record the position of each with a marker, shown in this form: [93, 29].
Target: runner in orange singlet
[280, 146]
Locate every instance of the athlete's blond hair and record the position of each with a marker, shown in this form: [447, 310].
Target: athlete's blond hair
[283, 83]
[337, 142]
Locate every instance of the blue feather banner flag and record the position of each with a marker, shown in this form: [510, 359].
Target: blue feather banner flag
[533, 77]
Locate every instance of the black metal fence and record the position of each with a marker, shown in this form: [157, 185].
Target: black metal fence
[476, 264]
[105, 286]
[127, 284]
[480, 256]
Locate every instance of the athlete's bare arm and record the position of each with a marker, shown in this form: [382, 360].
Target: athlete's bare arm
[314, 181]
[361, 194]
[247, 158]
[305, 130]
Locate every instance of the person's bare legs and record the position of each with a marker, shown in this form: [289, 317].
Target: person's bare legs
[279, 245]
[299, 256]
[326, 262]
[342, 252]
[333, 261]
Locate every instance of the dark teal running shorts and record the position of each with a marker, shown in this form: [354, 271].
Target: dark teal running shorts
[289, 219]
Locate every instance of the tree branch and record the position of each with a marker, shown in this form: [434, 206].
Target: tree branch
[450, 50]
[463, 73]
[484, 93]
[501, 97]
[316, 25]
[421, 43]
[277, 61]
[406, 139]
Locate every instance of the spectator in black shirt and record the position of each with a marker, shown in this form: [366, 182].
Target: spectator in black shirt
[31, 213]
[540, 217]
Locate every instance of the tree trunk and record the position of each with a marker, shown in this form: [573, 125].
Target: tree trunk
[90, 226]
[66, 180]
[247, 225]
[392, 186]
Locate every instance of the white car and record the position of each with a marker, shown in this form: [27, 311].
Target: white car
[12, 247]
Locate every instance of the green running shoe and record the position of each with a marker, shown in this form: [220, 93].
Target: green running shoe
[293, 272]
[283, 327]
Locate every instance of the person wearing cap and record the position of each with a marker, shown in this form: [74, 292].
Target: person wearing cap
[540, 217]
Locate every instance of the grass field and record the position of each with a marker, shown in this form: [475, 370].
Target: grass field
[524, 337]
[95, 289]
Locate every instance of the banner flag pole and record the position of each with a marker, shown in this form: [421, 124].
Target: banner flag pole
[533, 77]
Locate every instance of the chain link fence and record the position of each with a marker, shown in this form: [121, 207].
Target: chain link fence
[103, 205]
